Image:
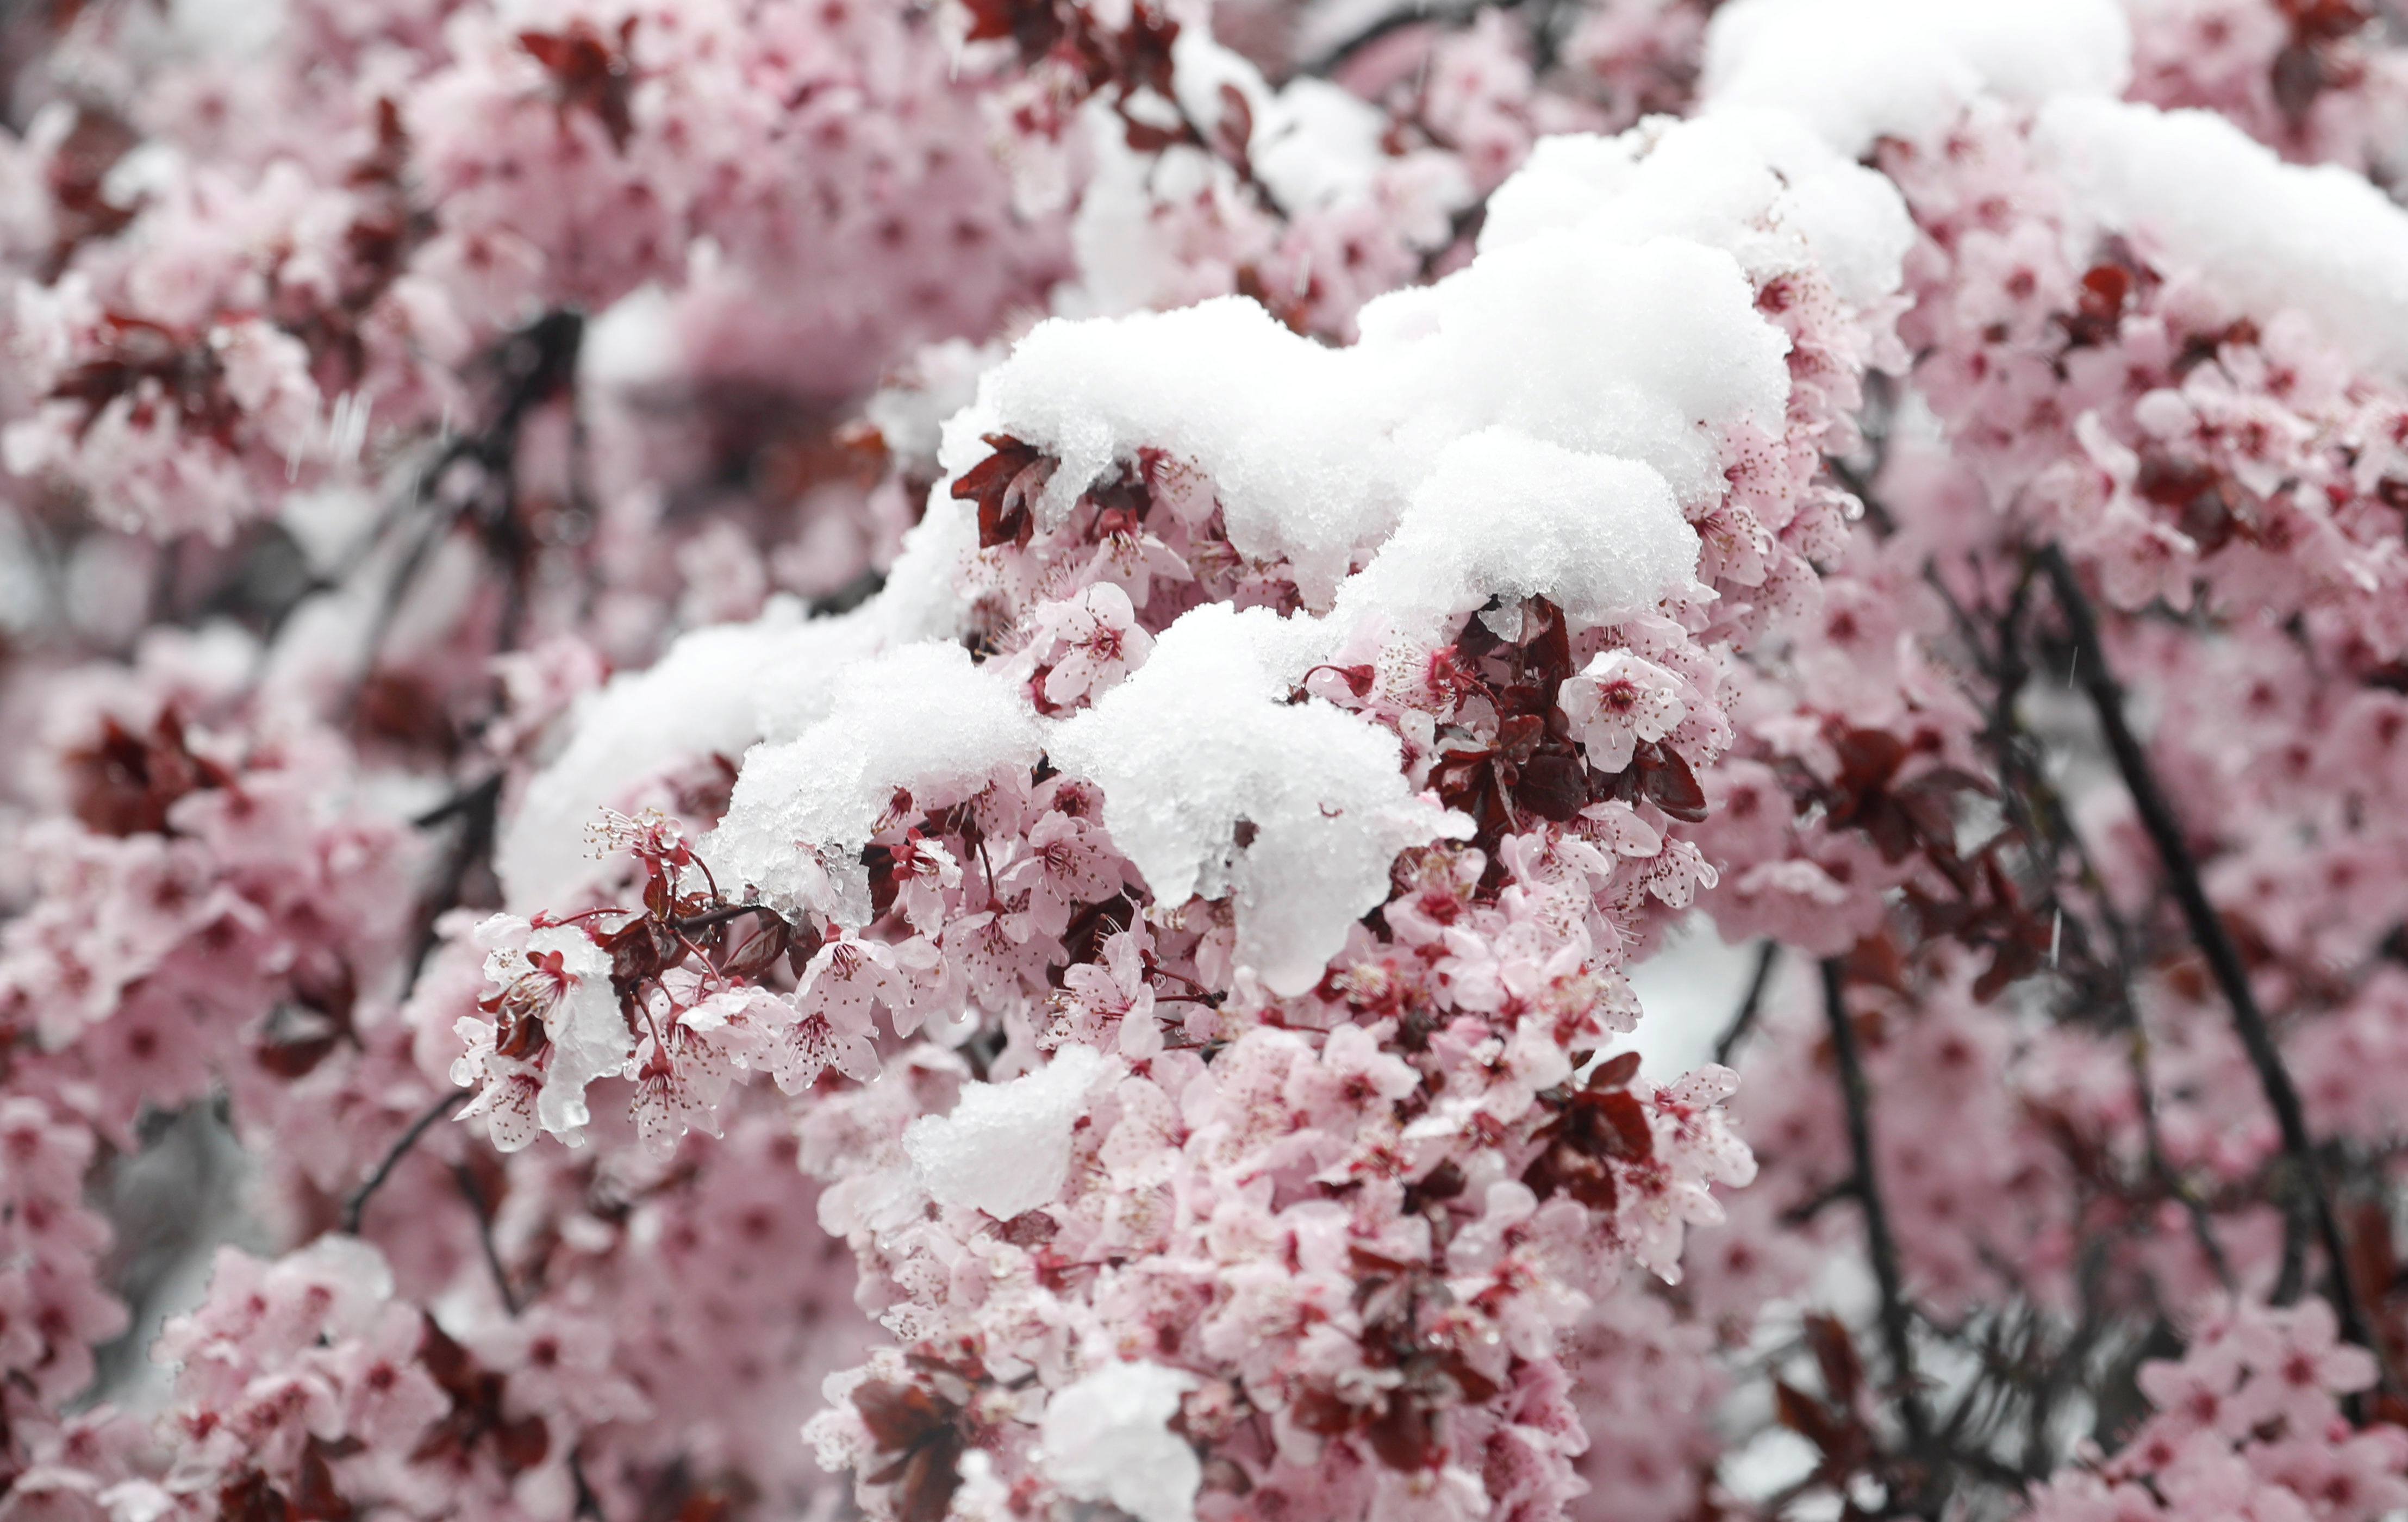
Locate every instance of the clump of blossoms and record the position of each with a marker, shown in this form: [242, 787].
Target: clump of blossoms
[941, 759]
[2247, 1423]
[1267, 876]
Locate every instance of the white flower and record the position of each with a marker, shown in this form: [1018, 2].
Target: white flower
[1619, 700]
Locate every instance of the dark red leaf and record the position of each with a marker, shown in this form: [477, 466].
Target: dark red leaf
[899, 1415]
[1615, 1072]
[1004, 484]
[639, 950]
[251, 1498]
[589, 73]
[763, 944]
[1405, 1436]
[315, 1499]
[1674, 787]
[1627, 1133]
[1233, 135]
[1554, 784]
[1867, 757]
[1810, 1419]
[1835, 1355]
[522, 1444]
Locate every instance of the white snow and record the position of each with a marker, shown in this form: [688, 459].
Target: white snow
[910, 414]
[1006, 1147]
[588, 1035]
[1649, 352]
[1284, 427]
[1202, 740]
[922, 717]
[1757, 184]
[1107, 1437]
[1538, 422]
[719, 690]
[1859, 70]
[2270, 235]
[696, 699]
[1317, 144]
[1505, 515]
[1646, 350]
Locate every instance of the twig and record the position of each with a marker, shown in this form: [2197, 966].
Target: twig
[476, 1197]
[588, 1503]
[2207, 931]
[1796, 1216]
[459, 802]
[1856, 1099]
[2041, 817]
[1388, 23]
[1751, 1004]
[844, 600]
[2293, 1275]
[355, 1206]
[479, 811]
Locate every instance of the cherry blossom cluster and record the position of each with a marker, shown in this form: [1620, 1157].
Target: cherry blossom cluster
[939, 759]
[2247, 1423]
[204, 915]
[964, 838]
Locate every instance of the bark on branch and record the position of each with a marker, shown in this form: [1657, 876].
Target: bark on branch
[1896, 1320]
[2207, 930]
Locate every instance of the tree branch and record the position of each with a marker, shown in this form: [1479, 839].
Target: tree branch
[475, 1195]
[2207, 931]
[1751, 1004]
[357, 1204]
[1897, 1323]
[2038, 814]
[1386, 24]
[479, 811]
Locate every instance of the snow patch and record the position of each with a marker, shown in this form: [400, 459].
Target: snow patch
[1215, 785]
[1108, 1438]
[1006, 1147]
[921, 717]
[1859, 70]
[2268, 234]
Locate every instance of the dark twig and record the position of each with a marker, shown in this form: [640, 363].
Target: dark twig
[588, 1503]
[357, 1203]
[2207, 931]
[458, 803]
[1751, 1004]
[2039, 815]
[1897, 1322]
[475, 1194]
[478, 810]
[2292, 1276]
[844, 600]
[1387, 25]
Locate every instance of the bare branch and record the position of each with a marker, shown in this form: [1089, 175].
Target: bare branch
[475, 1194]
[357, 1203]
[1897, 1319]
[2208, 932]
[1751, 1004]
